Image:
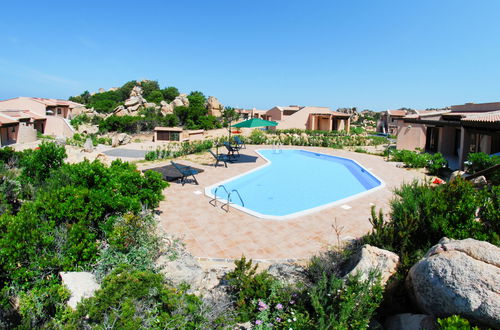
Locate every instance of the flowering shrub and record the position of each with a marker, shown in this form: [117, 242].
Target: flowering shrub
[345, 304]
[412, 159]
[247, 286]
[480, 161]
[329, 139]
[279, 315]
[174, 150]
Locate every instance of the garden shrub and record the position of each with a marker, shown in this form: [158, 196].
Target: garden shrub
[174, 150]
[433, 162]
[8, 155]
[422, 214]
[345, 304]
[38, 305]
[281, 309]
[132, 240]
[480, 161]
[247, 286]
[10, 190]
[133, 299]
[455, 322]
[257, 137]
[38, 164]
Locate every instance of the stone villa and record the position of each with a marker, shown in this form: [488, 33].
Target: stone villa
[22, 117]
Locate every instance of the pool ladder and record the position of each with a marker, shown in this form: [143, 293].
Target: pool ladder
[226, 205]
[277, 147]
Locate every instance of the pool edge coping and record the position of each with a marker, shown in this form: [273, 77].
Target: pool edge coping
[208, 189]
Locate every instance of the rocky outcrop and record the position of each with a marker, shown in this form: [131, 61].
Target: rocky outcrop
[121, 111]
[80, 284]
[88, 145]
[136, 102]
[120, 139]
[183, 269]
[408, 321]
[180, 101]
[166, 108]
[214, 107]
[136, 91]
[288, 273]
[456, 174]
[371, 258]
[133, 100]
[459, 277]
[88, 129]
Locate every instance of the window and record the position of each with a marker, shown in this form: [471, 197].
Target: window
[13, 130]
[174, 136]
[59, 111]
[168, 136]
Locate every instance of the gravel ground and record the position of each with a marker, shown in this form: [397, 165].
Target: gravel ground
[129, 153]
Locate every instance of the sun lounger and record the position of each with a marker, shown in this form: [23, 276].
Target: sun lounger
[239, 143]
[186, 171]
[232, 152]
[220, 158]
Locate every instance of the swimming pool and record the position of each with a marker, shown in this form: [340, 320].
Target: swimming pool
[296, 182]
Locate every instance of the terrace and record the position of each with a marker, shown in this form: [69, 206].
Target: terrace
[212, 234]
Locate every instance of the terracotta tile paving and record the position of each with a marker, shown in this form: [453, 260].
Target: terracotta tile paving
[209, 232]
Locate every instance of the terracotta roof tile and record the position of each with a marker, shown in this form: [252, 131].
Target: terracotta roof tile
[397, 112]
[489, 117]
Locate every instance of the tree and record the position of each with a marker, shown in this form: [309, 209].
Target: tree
[125, 90]
[148, 86]
[155, 97]
[229, 114]
[197, 100]
[170, 93]
[38, 164]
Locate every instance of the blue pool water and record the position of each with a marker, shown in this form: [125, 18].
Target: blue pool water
[296, 181]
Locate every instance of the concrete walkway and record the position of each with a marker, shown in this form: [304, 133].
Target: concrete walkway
[211, 233]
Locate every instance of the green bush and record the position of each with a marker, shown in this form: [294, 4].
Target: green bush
[480, 161]
[247, 286]
[350, 304]
[357, 130]
[10, 190]
[38, 164]
[433, 162]
[257, 137]
[38, 305]
[421, 215]
[80, 119]
[60, 229]
[178, 150]
[155, 97]
[9, 155]
[124, 124]
[132, 240]
[133, 299]
[149, 87]
[455, 322]
[170, 93]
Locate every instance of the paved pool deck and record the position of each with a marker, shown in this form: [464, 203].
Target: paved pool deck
[212, 234]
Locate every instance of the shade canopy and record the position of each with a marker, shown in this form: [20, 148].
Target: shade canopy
[255, 122]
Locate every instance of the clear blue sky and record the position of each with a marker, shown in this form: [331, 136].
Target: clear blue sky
[260, 53]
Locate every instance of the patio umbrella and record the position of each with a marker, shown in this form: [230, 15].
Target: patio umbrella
[255, 122]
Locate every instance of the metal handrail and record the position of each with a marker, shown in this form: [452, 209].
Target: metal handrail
[215, 194]
[229, 200]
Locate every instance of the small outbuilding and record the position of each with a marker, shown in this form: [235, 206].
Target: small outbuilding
[177, 134]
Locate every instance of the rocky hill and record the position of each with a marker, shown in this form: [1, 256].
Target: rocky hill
[135, 96]
[366, 119]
